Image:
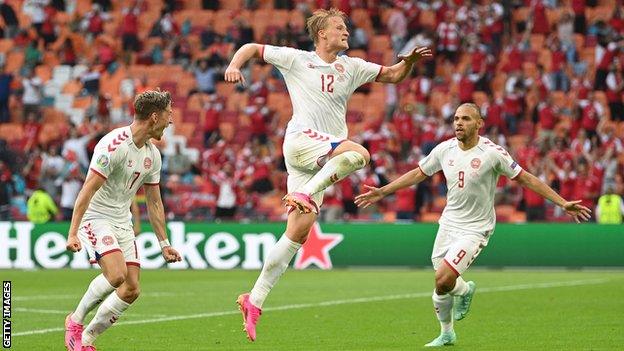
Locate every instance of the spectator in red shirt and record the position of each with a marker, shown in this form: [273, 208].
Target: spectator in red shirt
[130, 29]
[539, 18]
[587, 186]
[535, 204]
[578, 6]
[615, 91]
[591, 114]
[493, 112]
[558, 77]
[547, 119]
[211, 121]
[560, 153]
[405, 203]
[448, 38]
[404, 125]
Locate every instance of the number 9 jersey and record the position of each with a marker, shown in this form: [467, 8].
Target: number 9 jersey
[471, 177]
[125, 167]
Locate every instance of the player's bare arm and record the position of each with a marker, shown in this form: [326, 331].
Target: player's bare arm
[373, 194]
[242, 55]
[91, 185]
[136, 217]
[573, 208]
[156, 214]
[397, 73]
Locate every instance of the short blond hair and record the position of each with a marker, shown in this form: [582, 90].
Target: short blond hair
[319, 19]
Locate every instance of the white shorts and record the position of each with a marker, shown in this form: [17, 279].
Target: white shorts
[302, 152]
[100, 238]
[457, 248]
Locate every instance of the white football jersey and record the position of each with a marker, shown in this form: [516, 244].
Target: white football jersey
[125, 167]
[318, 90]
[471, 178]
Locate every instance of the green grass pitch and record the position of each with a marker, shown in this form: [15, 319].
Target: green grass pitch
[384, 309]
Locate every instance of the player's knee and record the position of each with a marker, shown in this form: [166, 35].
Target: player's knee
[116, 280]
[131, 294]
[117, 277]
[444, 283]
[359, 158]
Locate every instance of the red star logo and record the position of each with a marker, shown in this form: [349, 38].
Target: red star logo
[316, 249]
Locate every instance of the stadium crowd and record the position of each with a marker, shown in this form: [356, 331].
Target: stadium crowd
[547, 74]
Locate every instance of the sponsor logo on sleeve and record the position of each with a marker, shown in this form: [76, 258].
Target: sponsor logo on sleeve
[513, 165]
[103, 160]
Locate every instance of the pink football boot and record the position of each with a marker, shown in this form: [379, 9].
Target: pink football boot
[301, 201]
[250, 313]
[89, 348]
[73, 334]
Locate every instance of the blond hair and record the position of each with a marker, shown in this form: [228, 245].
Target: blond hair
[149, 102]
[319, 19]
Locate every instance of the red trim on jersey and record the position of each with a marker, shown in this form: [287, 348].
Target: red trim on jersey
[451, 267]
[136, 252]
[133, 264]
[109, 252]
[98, 173]
[517, 175]
[379, 73]
[152, 184]
[262, 52]
[93, 261]
[423, 172]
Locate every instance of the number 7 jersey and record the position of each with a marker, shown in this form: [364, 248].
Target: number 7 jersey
[125, 167]
[471, 178]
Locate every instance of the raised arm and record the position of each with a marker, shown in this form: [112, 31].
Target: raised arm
[373, 194]
[91, 185]
[572, 208]
[156, 214]
[396, 73]
[242, 55]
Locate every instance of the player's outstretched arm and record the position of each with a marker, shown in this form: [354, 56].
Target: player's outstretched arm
[574, 209]
[156, 214]
[242, 55]
[91, 185]
[396, 73]
[373, 194]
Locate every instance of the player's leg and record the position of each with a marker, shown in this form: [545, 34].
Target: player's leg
[114, 306]
[450, 287]
[442, 302]
[99, 242]
[123, 270]
[345, 159]
[459, 257]
[297, 229]
[115, 270]
[327, 158]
